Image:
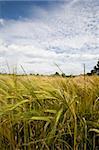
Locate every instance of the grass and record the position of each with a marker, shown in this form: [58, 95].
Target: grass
[47, 113]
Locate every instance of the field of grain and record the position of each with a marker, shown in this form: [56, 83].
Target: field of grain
[49, 113]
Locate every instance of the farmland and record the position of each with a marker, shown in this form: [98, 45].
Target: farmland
[47, 113]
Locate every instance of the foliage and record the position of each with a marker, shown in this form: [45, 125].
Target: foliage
[96, 69]
[56, 74]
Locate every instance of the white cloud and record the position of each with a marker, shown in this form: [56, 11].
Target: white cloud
[1, 21]
[67, 36]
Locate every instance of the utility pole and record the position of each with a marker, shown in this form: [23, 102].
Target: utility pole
[84, 70]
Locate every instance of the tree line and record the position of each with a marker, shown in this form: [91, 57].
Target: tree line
[95, 69]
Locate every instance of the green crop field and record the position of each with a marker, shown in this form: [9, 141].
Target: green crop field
[49, 113]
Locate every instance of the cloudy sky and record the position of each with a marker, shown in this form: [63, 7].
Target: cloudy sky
[39, 34]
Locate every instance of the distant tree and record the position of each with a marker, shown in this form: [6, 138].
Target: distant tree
[63, 75]
[98, 63]
[95, 69]
[57, 74]
[92, 71]
[89, 73]
[31, 74]
[37, 74]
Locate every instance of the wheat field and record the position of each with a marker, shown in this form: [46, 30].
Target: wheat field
[49, 113]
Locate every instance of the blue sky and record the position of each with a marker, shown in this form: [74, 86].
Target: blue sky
[38, 34]
[15, 9]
